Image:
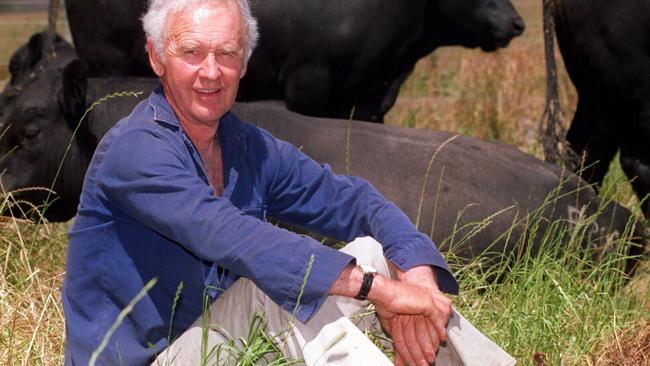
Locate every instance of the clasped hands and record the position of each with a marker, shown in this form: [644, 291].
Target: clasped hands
[414, 313]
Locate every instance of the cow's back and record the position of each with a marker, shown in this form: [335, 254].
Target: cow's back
[466, 193]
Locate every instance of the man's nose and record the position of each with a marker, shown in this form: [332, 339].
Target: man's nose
[210, 68]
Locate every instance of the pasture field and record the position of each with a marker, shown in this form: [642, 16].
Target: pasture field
[555, 309]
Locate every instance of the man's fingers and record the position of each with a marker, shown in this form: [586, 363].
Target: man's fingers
[433, 334]
[440, 328]
[428, 339]
[440, 321]
[413, 341]
[442, 303]
[399, 341]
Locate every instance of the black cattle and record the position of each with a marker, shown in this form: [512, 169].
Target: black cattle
[323, 58]
[605, 46]
[30, 59]
[466, 193]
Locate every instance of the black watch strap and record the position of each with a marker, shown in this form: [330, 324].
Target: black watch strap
[368, 276]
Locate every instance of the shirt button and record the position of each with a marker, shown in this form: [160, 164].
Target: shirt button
[402, 261]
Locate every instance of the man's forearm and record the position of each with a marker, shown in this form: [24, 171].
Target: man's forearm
[349, 282]
[390, 296]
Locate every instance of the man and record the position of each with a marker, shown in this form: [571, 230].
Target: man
[180, 191]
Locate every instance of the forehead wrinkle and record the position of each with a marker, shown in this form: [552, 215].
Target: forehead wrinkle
[194, 40]
[191, 32]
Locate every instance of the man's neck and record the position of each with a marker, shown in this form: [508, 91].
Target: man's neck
[206, 140]
[203, 136]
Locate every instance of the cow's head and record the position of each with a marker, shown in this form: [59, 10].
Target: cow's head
[38, 127]
[30, 59]
[488, 24]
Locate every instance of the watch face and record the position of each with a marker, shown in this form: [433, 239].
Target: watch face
[367, 269]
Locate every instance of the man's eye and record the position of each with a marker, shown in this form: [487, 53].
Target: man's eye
[227, 57]
[192, 56]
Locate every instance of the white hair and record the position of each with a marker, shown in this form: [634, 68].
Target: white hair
[154, 22]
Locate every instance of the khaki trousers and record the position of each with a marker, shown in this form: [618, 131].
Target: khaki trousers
[332, 337]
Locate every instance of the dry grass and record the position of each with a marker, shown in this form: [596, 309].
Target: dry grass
[630, 347]
[31, 320]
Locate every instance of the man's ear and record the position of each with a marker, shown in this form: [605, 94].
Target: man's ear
[154, 60]
[243, 70]
[75, 85]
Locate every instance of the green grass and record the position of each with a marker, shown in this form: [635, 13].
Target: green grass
[558, 303]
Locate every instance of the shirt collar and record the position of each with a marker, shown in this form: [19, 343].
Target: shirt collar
[162, 111]
[232, 132]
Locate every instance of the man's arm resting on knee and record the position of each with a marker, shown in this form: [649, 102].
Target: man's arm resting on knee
[415, 316]
[415, 293]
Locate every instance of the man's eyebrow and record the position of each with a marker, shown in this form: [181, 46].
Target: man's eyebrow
[230, 48]
[222, 47]
[186, 44]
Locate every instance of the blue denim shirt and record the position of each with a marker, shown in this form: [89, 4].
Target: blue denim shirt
[147, 211]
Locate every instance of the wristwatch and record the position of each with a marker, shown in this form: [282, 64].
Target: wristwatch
[368, 276]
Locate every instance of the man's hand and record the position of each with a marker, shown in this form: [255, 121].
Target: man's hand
[411, 310]
[421, 276]
[415, 337]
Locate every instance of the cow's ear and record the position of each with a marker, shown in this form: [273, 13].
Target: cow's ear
[28, 56]
[75, 84]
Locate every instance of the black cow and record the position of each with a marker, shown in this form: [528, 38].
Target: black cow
[323, 58]
[605, 46]
[40, 122]
[466, 193]
[30, 59]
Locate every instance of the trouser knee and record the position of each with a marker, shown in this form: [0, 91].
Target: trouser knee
[368, 251]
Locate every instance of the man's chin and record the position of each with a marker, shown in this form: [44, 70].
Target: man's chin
[211, 113]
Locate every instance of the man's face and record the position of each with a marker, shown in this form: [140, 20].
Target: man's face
[204, 60]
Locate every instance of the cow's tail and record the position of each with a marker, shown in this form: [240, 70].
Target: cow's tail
[551, 131]
[53, 15]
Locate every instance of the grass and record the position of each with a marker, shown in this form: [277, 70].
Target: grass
[556, 309]
[258, 348]
[33, 262]
[556, 305]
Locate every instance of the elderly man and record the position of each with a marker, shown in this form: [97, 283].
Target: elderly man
[180, 191]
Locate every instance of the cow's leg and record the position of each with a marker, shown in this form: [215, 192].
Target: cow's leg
[635, 157]
[374, 96]
[374, 102]
[594, 135]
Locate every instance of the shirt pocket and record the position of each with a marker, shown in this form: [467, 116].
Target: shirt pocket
[257, 212]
